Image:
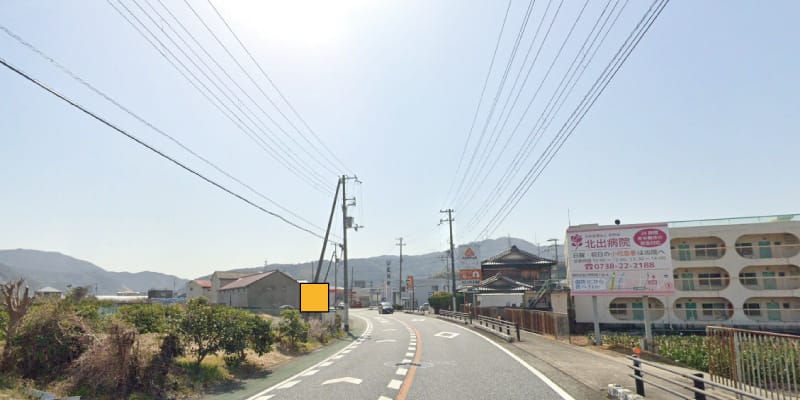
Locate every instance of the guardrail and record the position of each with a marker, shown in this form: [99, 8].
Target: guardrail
[466, 318]
[697, 384]
[504, 329]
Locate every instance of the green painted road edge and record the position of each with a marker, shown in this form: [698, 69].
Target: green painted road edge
[249, 387]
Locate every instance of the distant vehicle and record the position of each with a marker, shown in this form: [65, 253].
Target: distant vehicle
[385, 308]
[287, 307]
[340, 305]
[425, 307]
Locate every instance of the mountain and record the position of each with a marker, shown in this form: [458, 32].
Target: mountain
[373, 269]
[42, 268]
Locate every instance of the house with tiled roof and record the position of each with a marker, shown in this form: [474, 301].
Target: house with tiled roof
[198, 288]
[221, 278]
[264, 291]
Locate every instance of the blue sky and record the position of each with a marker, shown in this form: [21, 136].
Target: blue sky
[700, 122]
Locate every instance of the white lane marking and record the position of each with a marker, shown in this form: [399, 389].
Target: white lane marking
[389, 330]
[401, 371]
[447, 335]
[346, 351]
[346, 379]
[412, 348]
[385, 341]
[405, 361]
[394, 384]
[367, 333]
[418, 320]
[385, 398]
[336, 357]
[267, 397]
[312, 372]
[325, 364]
[289, 384]
[409, 354]
[564, 395]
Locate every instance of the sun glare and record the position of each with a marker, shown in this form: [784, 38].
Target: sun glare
[308, 23]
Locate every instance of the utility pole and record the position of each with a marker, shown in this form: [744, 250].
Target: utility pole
[400, 282]
[346, 223]
[335, 278]
[555, 248]
[449, 220]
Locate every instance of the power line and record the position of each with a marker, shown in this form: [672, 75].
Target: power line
[111, 100]
[266, 76]
[524, 151]
[500, 87]
[153, 149]
[495, 134]
[286, 150]
[235, 82]
[480, 101]
[212, 97]
[582, 109]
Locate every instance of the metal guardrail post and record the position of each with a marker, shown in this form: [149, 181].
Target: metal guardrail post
[639, 379]
[517, 326]
[700, 385]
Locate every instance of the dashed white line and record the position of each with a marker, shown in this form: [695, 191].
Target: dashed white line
[312, 372]
[385, 398]
[325, 364]
[289, 384]
[405, 361]
[267, 397]
[336, 357]
[401, 371]
[409, 354]
[346, 351]
[394, 384]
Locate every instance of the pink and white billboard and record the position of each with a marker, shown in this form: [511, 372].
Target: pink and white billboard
[622, 260]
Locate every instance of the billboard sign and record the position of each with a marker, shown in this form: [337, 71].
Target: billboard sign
[632, 260]
[469, 277]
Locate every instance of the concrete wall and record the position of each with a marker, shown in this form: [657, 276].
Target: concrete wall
[273, 291]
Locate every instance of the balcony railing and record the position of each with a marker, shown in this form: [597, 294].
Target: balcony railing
[760, 282]
[755, 251]
[693, 254]
[700, 284]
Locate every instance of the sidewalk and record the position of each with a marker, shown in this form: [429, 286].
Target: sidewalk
[595, 368]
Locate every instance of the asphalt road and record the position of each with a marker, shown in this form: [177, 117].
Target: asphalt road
[406, 356]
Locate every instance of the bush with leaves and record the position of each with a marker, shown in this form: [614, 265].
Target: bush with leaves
[261, 335]
[444, 301]
[3, 323]
[202, 328]
[236, 329]
[293, 330]
[151, 318]
[49, 337]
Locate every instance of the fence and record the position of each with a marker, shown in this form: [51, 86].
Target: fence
[762, 363]
[542, 322]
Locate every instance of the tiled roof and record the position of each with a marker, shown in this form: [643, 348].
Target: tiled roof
[527, 257]
[203, 283]
[232, 274]
[246, 281]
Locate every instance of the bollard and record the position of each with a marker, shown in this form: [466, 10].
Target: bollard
[700, 385]
[638, 372]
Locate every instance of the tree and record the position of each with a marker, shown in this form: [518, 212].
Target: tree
[16, 307]
[293, 330]
[202, 328]
[261, 335]
[236, 328]
[444, 300]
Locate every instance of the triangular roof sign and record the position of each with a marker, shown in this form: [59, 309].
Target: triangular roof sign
[469, 253]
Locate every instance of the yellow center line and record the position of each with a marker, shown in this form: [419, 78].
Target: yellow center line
[401, 395]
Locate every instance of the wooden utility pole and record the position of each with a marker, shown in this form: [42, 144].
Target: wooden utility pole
[449, 220]
[400, 282]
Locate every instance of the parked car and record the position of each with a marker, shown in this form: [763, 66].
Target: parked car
[425, 307]
[287, 307]
[385, 308]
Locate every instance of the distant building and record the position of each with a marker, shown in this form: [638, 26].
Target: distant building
[518, 265]
[267, 290]
[160, 294]
[221, 278]
[198, 288]
[48, 293]
[128, 292]
[740, 272]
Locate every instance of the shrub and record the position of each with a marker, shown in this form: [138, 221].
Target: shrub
[151, 318]
[48, 339]
[318, 331]
[261, 335]
[111, 365]
[3, 323]
[293, 330]
[236, 328]
[202, 328]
